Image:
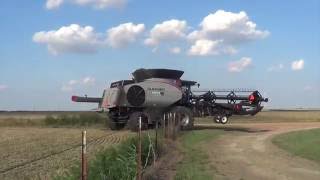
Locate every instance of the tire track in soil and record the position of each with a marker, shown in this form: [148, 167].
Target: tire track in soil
[110, 138]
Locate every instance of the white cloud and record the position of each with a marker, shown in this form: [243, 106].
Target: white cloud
[297, 65]
[308, 88]
[204, 47]
[170, 30]
[72, 84]
[122, 35]
[240, 65]
[228, 28]
[175, 50]
[66, 88]
[3, 87]
[98, 4]
[88, 81]
[69, 39]
[277, 67]
[53, 4]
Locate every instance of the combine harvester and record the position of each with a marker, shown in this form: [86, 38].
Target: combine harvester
[153, 92]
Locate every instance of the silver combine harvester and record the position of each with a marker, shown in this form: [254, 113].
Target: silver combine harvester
[153, 92]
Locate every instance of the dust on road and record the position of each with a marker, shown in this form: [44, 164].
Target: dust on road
[250, 154]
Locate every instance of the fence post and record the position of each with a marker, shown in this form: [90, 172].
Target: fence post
[156, 143]
[139, 151]
[164, 125]
[83, 156]
[174, 127]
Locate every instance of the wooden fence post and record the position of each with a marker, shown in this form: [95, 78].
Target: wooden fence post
[84, 156]
[139, 170]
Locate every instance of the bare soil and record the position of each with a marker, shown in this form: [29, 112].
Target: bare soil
[246, 152]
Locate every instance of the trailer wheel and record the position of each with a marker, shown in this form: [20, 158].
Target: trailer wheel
[133, 122]
[224, 119]
[217, 119]
[186, 117]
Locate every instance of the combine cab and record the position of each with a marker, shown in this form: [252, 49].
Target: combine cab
[153, 92]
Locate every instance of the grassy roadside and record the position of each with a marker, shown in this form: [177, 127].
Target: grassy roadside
[195, 161]
[115, 162]
[301, 143]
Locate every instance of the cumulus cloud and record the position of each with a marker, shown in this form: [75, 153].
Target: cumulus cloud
[3, 87]
[83, 39]
[228, 28]
[170, 30]
[122, 35]
[204, 47]
[277, 67]
[240, 65]
[73, 38]
[308, 88]
[98, 4]
[52, 4]
[297, 65]
[86, 81]
[175, 50]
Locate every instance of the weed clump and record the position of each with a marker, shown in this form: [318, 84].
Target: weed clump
[118, 162]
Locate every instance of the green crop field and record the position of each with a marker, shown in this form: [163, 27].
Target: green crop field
[301, 143]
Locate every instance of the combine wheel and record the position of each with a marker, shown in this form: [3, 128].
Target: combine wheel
[115, 126]
[133, 122]
[186, 117]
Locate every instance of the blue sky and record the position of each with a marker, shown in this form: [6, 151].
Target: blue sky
[53, 49]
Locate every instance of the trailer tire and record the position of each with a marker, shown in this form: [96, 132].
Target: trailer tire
[217, 119]
[186, 117]
[224, 119]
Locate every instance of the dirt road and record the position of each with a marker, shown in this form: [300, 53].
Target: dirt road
[246, 152]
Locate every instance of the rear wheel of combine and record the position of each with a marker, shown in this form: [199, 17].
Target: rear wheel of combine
[185, 115]
[113, 125]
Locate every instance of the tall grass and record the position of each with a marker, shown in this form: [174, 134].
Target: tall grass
[83, 119]
[195, 163]
[115, 163]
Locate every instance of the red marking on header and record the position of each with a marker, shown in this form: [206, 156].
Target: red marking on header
[74, 98]
[251, 98]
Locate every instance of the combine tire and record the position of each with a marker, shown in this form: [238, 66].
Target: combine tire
[114, 125]
[186, 117]
[133, 123]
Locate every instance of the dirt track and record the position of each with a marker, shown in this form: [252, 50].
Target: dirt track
[247, 152]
